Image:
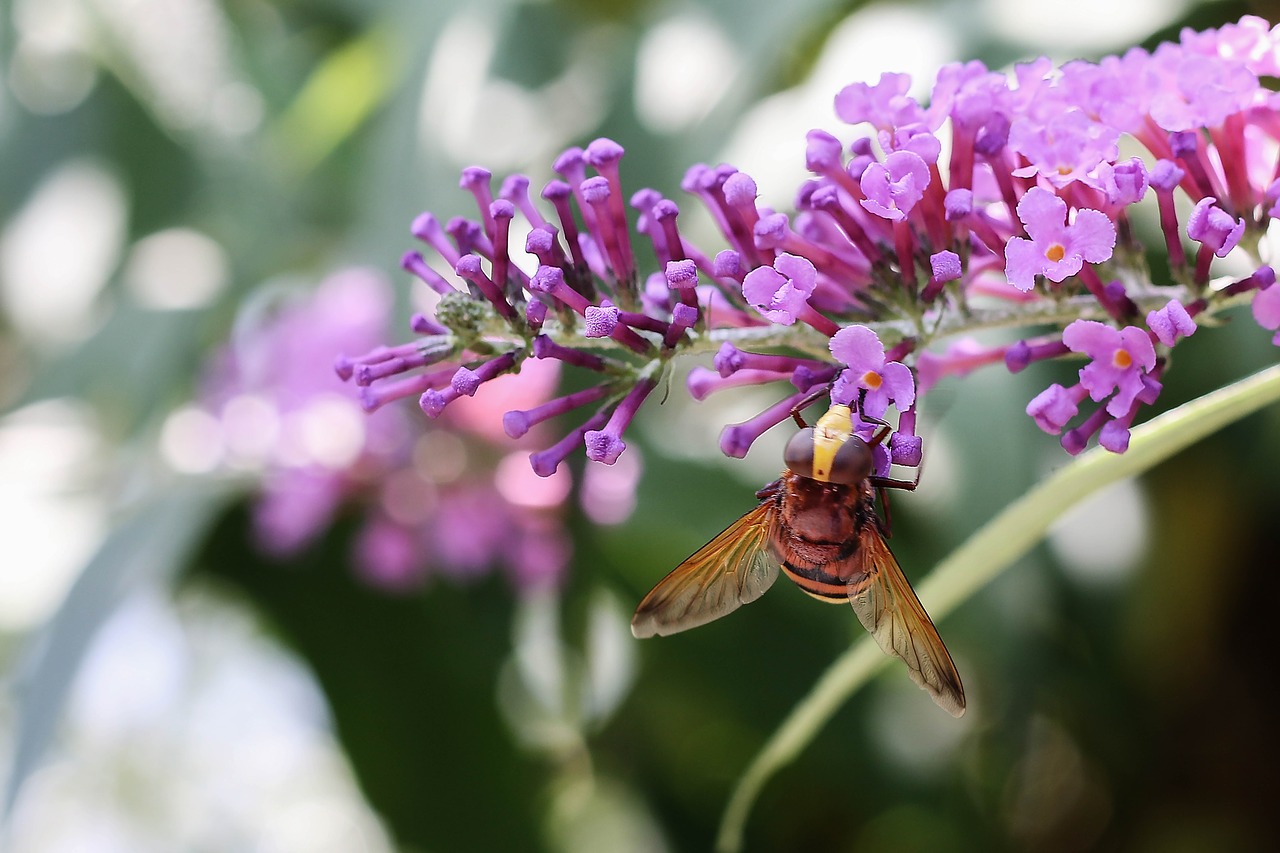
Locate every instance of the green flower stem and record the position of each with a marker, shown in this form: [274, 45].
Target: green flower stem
[986, 554]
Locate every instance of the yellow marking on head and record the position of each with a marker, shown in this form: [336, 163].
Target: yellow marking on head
[829, 434]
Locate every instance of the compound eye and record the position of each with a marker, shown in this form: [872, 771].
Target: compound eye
[853, 462]
[798, 454]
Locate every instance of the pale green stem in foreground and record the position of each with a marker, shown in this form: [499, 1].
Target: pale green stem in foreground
[986, 554]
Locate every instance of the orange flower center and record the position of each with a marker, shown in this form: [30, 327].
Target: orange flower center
[1122, 359]
[1056, 252]
[871, 380]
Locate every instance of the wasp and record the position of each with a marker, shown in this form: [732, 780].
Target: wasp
[818, 523]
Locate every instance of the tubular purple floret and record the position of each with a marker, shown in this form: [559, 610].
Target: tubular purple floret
[1075, 440]
[1021, 354]
[477, 181]
[423, 325]
[736, 439]
[469, 237]
[1186, 150]
[501, 212]
[605, 445]
[535, 313]
[1164, 178]
[543, 245]
[604, 155]
[728, 265]
[550, 280]
[907, 450]
[1261, 279]
[665, 212]
[427, 228]
[559, 193]
[375, 396]
[470, 269]
[367, 374]
[544, 347]
[601, 320]
[729, 360]
[597, 193]
[545, 462]
[826, 198]
[702, 382]
[682, 276]
[515, 189]
[414, 263]
[379, 395]
[683, 317]
[806, 378]
[517, 423]
[468, 381]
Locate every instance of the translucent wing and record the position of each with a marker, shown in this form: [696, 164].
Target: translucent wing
[888, 608]
[731, 570]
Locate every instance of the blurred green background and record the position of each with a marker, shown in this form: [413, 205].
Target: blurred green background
[180, 691]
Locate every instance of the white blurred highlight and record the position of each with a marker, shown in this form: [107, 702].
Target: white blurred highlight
[175, 269]
[191, 441]
[329, 431]
[251, 427]
[1103, 538]
[187, 730]
[684, 66]
[769, 142]
[50, 71]
[478, 118]
[52, 520]
[59, 250]
[1065, 29]
[180, 53]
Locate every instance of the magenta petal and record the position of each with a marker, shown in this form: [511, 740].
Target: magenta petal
[1094, 339]
[899, 384]
[800, 270]
[1099, 378]
[1043, 213]
[1266, 307]
[845, 389]
[1022, 262]
[1139, 345]
[858, 347]
[1093, 236]
[1052, 408]
[876, 403]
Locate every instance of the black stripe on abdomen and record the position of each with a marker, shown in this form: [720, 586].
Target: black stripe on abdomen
[818, 583]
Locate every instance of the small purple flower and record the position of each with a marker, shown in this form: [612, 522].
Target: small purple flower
[781, 292]
[1119, 360]
[1057, 249]
[1266, 310]
[862, 353]
[1065, 148]
[893, 188]
[1053, 407]
[1214, 227]
[1171, 321]
[945, 265]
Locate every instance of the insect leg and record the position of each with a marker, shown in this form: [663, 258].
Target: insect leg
[805, 402]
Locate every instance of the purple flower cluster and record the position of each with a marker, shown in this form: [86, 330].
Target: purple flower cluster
[431, 502]
[1003, 203]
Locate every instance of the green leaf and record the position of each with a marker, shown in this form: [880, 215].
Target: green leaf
[986, 554]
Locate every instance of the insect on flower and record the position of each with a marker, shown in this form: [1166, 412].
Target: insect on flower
[819, 524]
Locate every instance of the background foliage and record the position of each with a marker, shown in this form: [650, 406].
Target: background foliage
[1120, 677]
